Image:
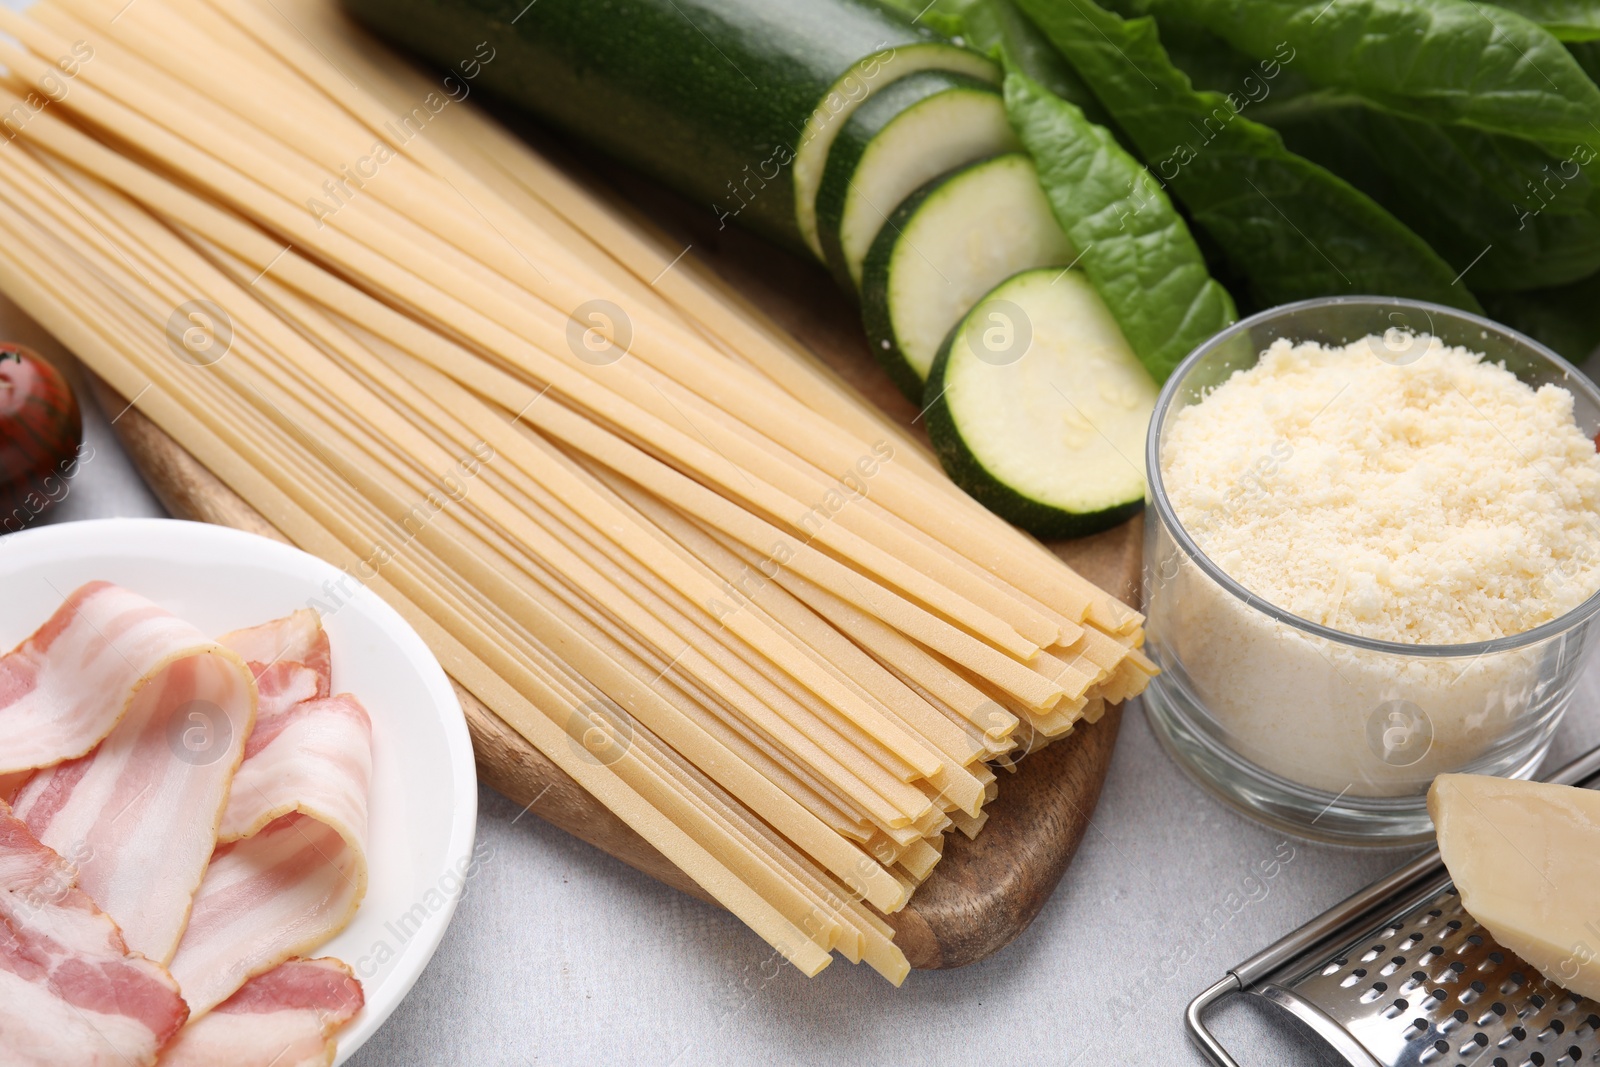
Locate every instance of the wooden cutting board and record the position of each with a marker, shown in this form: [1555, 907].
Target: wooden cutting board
[984, 892]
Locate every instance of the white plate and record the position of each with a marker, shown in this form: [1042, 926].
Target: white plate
[424, 797]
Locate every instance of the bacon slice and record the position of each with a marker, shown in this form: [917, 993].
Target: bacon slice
[67, 686]
[71, 993]
[308, 752]
[292, 867]
[284, 1018]
[296, 639]
[144, 807]
[316, 760]
[266, 898]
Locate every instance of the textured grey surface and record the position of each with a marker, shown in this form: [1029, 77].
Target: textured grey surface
[559, 954]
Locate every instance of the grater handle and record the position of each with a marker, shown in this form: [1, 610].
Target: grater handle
[1193, 1018]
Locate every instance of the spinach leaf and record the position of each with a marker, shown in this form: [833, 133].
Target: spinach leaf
[1031, 52]
[1292, 228]
[1568, 20]
[1507, 212]
[1562, 318]
[1136, 250]
[991, 26]
[1453, 61]
[1587, 53]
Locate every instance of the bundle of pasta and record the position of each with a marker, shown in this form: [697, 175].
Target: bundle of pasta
[634, 519]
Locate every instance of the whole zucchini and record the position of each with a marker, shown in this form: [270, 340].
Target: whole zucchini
[734, 103]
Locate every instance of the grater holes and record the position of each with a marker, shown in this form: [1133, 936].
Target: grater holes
[1434, 1054]
[1414, 982]
[1434, 999]
[1515, 1036]
[1495, 1011]
[1417, 1028]
[1475, 1044]
[1513, 983]
[1335, 966]
[1550, 1032]
[1353, 977]
[1457, 1019]
[1372, 953]
[1393, 966]
[1395, 1010]
[1412, 941]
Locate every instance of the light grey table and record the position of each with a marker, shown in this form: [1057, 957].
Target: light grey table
[560, 954]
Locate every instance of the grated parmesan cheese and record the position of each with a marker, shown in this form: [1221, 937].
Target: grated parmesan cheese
[1437, 502]
[1442, 501]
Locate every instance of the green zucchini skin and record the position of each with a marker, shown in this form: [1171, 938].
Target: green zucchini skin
[966, 469]
[856, 136]
[707, 96]
[875, 313]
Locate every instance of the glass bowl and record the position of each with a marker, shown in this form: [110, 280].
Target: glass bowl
[1325, 734]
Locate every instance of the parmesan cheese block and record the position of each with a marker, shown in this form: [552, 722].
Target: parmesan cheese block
[1525, 857]
[1398, 489]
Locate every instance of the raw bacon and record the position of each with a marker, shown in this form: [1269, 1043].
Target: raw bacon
[292, 867]
[266, 898]
[71, 993]
[318, 761]
[144, 807]
[213, 795]
[284, 1018]
[65, 688]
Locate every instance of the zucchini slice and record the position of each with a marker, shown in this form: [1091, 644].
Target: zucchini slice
[909, 132]
[861, 81]
[1038, 407]
[944, 247]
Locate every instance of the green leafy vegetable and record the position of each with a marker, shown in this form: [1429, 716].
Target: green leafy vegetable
[1587, 54]
[1564, 318]
[1292, 228]
[996, 26]
[1454, 61]
[1569, 20]
[1135, 248]
[1509, 213]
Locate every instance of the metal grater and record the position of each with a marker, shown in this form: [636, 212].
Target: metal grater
[1399, 975]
